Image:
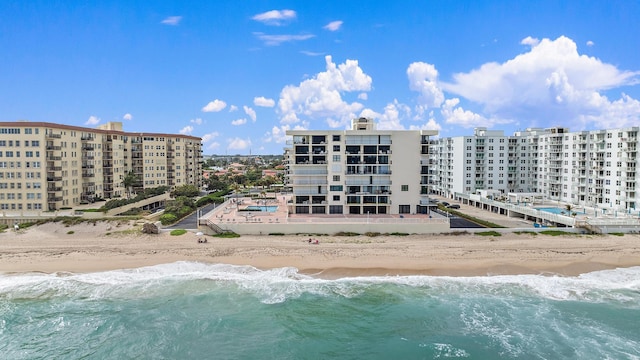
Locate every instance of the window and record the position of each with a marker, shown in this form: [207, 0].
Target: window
[336, 137]
[336, 147]
[404, 209]
[404, 188]
[336, 177]
[335, 188]
[336, 158]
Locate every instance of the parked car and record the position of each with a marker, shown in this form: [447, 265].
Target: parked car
[444, 203]
[454, 206]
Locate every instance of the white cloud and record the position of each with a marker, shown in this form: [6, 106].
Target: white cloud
[127, 116]
[333, 26]
[264, 102]
[275, 17]
[233, 108]
[363, 96]
[172, 20]
[550, 82]
[238, 144]
[275, 40]
[186, 130]
[210, 136]
[590, 43]
[277, 134]
[238, 122]
[392, 117]
[311, 53]
[431, 124]
[250, 112]
[530, 41]
[197, 121]
[454, 114]
[214, 106]
[213, 146]
[93, 120]
[423, 78]
[320, 96]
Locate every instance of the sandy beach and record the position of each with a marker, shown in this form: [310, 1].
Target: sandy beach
[106, 246]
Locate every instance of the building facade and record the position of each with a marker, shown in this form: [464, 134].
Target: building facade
[596, 168]
[360, 171]
[47, 166]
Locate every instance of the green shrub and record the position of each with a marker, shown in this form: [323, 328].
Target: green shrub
[177, 232]
[617, 233]
[226, 235]
[488, 233]
[555, 232]
[70, 232]
[526, 232]
[167, 219]
[346, 233]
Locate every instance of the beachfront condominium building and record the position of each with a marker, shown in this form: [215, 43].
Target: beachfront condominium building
[360, 171]
[47, 166]
[596, 168]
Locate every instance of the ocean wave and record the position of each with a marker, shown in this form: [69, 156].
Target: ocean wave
[278, 285]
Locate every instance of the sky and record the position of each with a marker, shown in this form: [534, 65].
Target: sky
[239, 74]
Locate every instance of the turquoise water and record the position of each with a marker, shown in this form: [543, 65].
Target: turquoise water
[552, 210]
[211, 311]
[267, 208]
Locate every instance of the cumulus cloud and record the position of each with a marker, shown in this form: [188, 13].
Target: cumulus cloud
[550, 82]
[172, 20]
[210, 136]
[320, 97]
[238, 144]
[250, 112]
[363, 96]
[213, 146]
[333, 26]
[590, 43]
[530, 41]
[275, 17]
[214, 106]
[264, 102]
[277, 134]
[127, 116]
[197, 121]
[238, 122]
[275, 40]
[233, 108]
[93, 120]
[186, 130]
[392, 116]
[423, 78]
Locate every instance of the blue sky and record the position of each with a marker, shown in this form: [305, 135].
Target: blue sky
[240, 73]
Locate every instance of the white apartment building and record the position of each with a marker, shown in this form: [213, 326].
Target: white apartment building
[588, 168]
[360, 171]
[46, 166]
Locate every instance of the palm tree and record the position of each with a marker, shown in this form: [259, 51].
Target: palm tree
[130, 180]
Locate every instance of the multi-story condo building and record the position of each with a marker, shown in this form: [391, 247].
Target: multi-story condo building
[47, 166]
[589, 168]
[360, 171]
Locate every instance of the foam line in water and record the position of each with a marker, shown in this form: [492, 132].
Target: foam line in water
[280, 284]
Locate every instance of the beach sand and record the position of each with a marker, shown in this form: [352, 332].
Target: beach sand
[53, 247]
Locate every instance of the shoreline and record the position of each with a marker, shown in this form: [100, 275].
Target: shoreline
[85, 248]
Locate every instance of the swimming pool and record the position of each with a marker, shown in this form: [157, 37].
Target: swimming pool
[261, 208]
[553, 210]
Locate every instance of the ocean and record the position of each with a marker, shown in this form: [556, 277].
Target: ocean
[188, 310]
